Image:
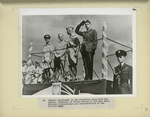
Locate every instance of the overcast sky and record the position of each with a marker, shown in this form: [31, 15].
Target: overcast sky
[119, 29]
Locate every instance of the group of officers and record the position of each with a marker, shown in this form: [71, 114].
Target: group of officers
[122, 82]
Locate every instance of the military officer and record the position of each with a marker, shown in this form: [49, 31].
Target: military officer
[122, 82]
[47, 57]
[88, 47]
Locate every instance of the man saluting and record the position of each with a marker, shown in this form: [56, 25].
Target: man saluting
[88, 47]
[122, 83]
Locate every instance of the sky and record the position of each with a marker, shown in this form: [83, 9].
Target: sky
[119, 28]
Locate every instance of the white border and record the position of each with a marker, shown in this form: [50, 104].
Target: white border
[80, 11]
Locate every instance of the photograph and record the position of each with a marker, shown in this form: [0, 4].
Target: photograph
[77, 51]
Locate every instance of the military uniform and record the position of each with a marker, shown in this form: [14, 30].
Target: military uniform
[88, 48]
[122, 83]
[47, 58]
[47, 53]
[122, 79]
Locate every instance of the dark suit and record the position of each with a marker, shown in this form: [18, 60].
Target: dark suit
[121, 79]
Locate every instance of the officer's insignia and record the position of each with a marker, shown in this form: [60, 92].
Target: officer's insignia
[118, 51]
[126, 67]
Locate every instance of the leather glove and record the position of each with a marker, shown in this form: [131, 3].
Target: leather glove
[82, 23]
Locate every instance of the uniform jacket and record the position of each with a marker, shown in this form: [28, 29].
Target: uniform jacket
[89, 38]
[47, 52]
[123, 76]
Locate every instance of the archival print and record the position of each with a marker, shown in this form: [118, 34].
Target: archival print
[78, 52]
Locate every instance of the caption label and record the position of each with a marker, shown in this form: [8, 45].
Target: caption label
[76, 103]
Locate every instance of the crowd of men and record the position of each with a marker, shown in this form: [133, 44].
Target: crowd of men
[67, 51]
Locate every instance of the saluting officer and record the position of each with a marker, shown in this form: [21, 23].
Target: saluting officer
[88, 47]
[122, 83]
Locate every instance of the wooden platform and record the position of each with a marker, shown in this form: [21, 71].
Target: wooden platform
[92, 87]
